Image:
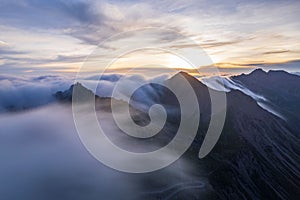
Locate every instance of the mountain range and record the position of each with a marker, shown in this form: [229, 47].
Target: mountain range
[257, 155]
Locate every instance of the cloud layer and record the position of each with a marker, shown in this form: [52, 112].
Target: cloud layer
[44, 158]
[42, 148]
[18, 93]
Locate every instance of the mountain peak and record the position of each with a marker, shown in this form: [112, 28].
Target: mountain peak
[66, 96]
[258, 71]
[182, 73]
[194, 82]
[271, 74]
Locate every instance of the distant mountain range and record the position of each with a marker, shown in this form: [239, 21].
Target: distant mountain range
[257, 155]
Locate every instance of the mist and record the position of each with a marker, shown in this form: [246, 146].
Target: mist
[20, 93]
[43, 158]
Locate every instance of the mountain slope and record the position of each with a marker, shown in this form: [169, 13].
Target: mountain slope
[257, 156]
[282, 89]
[264, 156]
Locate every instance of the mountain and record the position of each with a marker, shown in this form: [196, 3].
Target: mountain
[257, 155]
[281, 88]
[264, 158]
[67, 95]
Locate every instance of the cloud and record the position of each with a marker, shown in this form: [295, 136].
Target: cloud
[124, 84]
[17, 93]
[42, 147]
[205, 44]
[230, 32]
[6, 50]
[56, 13]
[106, 77]
[276, 52]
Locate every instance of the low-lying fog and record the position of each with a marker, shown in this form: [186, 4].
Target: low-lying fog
[42, 158]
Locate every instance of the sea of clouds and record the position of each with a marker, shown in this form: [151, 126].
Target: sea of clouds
[43, 158]
[18, 93]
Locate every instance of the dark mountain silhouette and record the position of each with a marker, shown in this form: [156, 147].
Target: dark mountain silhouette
[66, 96]
[281, 88]
[257, 156]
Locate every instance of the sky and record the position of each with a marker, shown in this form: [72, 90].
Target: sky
[56, 36]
